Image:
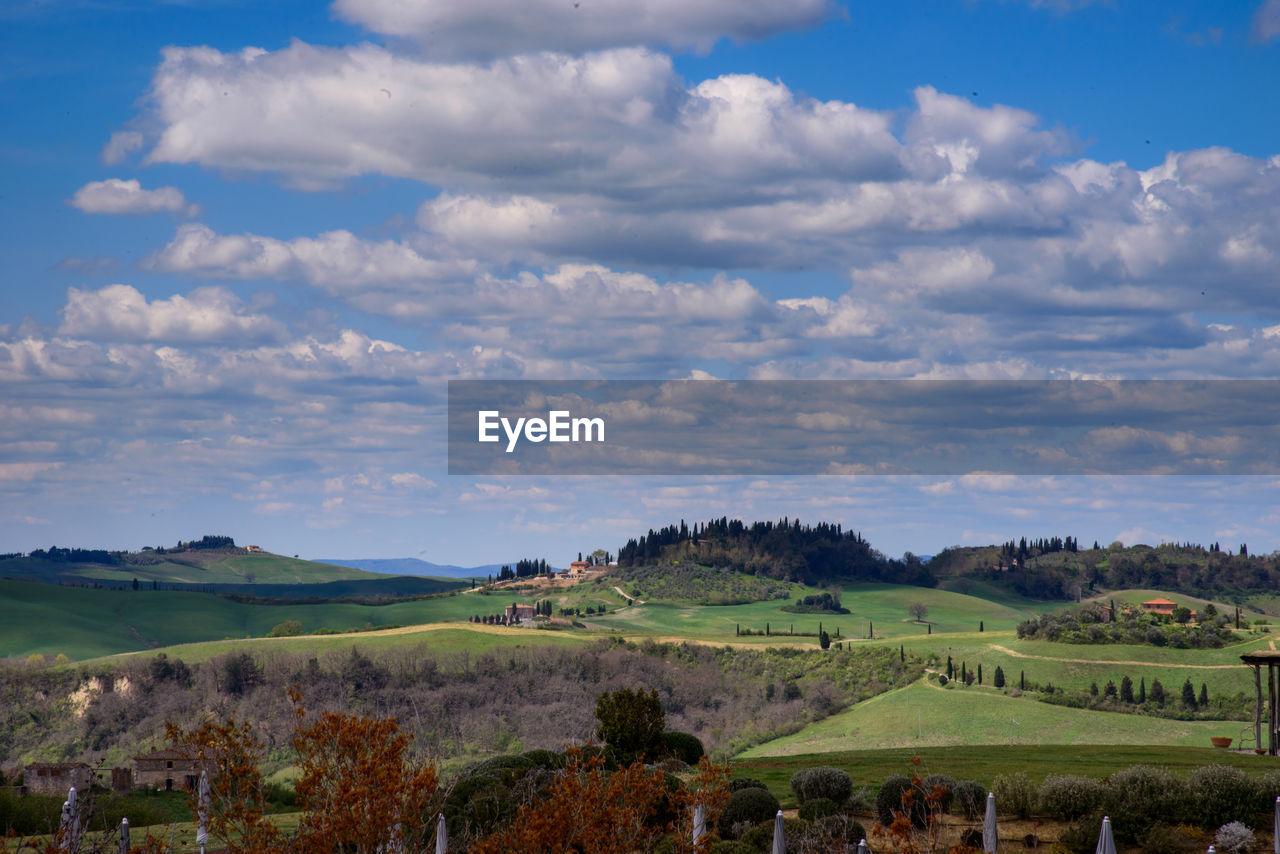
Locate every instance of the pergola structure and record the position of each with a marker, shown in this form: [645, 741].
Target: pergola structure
[1270, 659]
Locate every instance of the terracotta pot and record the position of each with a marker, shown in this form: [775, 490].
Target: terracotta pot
[1220, 741]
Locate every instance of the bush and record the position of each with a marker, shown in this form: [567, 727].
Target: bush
[1268, 786]
[946, 786]
[729, 846]
[750, 806]
[746, 783]
[1218, 794]
[1014, 794]
[760, 837]
[818, 808]
[1136, 796]
[1234, 837]
[1067, 798]
[841, 828]
[970, 797]
[889, 801]
[822, 782]
[1164, 838]
[683, 746]
[1082, 837]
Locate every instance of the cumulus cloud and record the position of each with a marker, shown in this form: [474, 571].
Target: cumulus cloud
[121, 312]
[116, 196]
[495, 27]
[120, 145]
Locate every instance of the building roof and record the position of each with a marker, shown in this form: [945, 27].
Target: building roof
[1159, 602]
[58, 765]
[165, 753]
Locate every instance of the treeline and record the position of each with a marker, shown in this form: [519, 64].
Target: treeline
[57, 555]
[1044, 572]
[1096, 624]
[525, 568]
[786, 550]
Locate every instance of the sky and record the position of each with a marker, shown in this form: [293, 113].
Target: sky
[246, 245]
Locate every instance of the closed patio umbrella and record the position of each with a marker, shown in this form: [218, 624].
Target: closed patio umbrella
[699, 823]
[779, 837]
[124, 836]
[442, 836]
[202, 808]
[990, 838]
[1106, 842]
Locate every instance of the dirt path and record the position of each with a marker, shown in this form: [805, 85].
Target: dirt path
[631, 599]
[1010, 652]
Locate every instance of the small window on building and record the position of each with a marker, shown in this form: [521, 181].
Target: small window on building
[169, 764]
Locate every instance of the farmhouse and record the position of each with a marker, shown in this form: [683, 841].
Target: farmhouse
[169, 769]
[519, 613]
[578, 568]
[55, 778]
[1159, 606]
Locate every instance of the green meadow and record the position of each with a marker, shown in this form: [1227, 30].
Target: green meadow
[86, 623]
[927, 715]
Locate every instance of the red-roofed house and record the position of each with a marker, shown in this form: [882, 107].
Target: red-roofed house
[1159, 606]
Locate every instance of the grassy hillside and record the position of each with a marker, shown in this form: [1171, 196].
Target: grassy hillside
[926, 715]
[85, 623]
[869, 767]
[190, 567]
[883, 607]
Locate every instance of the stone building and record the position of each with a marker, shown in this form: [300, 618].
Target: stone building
[55, 778]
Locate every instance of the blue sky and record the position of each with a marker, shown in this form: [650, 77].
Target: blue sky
[246, 245]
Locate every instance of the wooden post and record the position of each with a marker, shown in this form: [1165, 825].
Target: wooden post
[1257, 712]
[1271, 709]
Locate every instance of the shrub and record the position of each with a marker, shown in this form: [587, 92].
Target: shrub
[1268, 786]
[889, 801]
[1069, 797]
[818, 808]
[841, 828]
[1082, 837]
[1218, 794]
[683, 746]
[1136, 796]
[1164, 838]
[760, 837]
[822, 782]
[1014, 794]
[730, 846]
[750, 806]
[947, 787]
[746, 783]
[1234, 837]
[970, 797]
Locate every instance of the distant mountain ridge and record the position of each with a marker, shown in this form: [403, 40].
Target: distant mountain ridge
[414, 566]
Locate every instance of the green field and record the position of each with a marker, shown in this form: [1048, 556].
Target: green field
[878, 607]
[87, 623]
[193, 567]
[927, 715]
[435, 639]
[983, 763]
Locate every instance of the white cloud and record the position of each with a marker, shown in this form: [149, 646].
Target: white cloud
[1266, 21]
[116, 196]
[119, 146]
[497, 27]
[121, 312]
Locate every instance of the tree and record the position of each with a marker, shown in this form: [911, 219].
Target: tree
[1157, 692]
[1142, 690]
[230, 753]
[1126, 690]
[1188, 695]
[359, 792]
[1204, 695]
[1181, 614]
[1109, 692]
[632, 722]
[918, 610]
[998, 680]
[824, 639]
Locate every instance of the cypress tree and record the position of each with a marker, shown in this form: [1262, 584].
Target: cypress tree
[902, 654]
[1204, 695]
[1022, 680]
[979, 674]
[1142, 690]
[998, 680]
[1126, 690]
[1157, 692]
[1093, 689]
[950, 672]
[981, 628]
[1188, 695]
